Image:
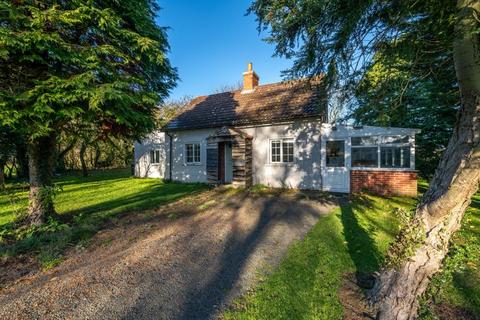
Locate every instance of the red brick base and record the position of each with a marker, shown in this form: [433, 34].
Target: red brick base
[384, 182]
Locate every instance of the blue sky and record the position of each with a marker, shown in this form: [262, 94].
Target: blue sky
[211, 43]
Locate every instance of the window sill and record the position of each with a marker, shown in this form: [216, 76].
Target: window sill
[382, 169]
[281, 164]
[193, 164]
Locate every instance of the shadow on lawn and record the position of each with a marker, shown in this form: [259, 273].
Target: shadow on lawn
[147, 198]
[75, 226]
[240, 248]
[361, 247]
[213, 278]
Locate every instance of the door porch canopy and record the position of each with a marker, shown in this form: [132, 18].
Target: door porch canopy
[241, 144]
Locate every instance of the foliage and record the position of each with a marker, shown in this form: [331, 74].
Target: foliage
[75, 62]
[7, 143]
[8, 147]
[83, 207]
[340, 38]
[410, 237]
[168, 110]
[229, 87]
[110, 152]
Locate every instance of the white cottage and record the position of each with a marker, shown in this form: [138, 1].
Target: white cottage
[277, 135]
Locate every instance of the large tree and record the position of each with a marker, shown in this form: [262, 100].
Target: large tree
[341, 38]
[399, 91]
[101, 63]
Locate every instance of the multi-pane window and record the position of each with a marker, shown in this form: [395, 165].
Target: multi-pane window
[192, 153]
[276, 151]
[364, 157]
[287, 150]
[395, 157]
[381, 151]
[281, 151]
[154, 156]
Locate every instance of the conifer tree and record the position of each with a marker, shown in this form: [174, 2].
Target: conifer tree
[102, 63]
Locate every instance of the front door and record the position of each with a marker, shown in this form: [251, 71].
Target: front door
[228, 163]
[221, 162]
[336, 176]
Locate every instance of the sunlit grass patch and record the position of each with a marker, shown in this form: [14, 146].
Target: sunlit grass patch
[84, 204]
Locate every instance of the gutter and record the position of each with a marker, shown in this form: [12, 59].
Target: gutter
[170, 155]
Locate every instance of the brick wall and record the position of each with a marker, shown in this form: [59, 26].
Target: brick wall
[384, 182]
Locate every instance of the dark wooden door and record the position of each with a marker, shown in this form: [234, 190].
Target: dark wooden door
[221, 162]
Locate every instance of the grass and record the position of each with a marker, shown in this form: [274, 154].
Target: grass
[84, 205]
[354, 239]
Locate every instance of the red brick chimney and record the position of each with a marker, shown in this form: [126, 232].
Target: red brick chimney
[250, 79]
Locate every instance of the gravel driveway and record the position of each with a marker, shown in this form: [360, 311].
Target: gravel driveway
[186, 260]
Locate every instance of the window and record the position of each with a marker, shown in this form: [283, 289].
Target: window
[395, 157]
[364, 157]
[154, 156]
[364, 141]
[192, 153]
[336, 153]
[381, 151]
[276, 150]
[281, 151]
[395, 139]
[287, 147]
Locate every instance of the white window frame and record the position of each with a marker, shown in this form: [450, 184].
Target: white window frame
[281, 140]
[185, 158]
[155, 150]
[379, 145]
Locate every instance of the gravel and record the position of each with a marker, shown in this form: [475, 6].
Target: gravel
[187, 260]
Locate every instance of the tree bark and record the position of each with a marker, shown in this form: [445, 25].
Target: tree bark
[456, 180]
[61, 155]
[83, 149]
[2, 174]
[41, 162]
[98, 153]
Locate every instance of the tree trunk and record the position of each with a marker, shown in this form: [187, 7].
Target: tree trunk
[41, 162]
[98, 153]
[456, 180]
[83, 149]
[2, 174]
[61, 155]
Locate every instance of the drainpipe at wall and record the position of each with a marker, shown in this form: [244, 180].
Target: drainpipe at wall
[170, 138]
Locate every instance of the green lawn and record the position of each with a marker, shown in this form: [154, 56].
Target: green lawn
[84, 205]
[355, 239]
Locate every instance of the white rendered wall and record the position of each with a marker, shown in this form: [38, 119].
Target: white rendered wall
[304, 172]
[181, 171]
[143, 167]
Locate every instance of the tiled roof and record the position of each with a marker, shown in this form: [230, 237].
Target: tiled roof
[271, 103]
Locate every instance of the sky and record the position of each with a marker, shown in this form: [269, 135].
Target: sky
[211, 43]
